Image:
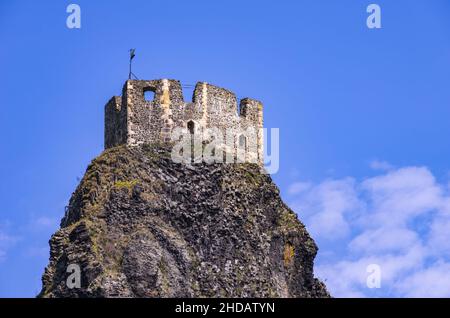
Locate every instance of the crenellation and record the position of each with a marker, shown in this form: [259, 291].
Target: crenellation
[133, 120]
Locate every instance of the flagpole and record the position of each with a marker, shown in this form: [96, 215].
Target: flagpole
[129, 74]
[132, 54]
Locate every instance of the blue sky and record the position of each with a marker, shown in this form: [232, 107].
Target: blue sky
[363, 117]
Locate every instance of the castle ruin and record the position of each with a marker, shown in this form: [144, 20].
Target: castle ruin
[133, 120]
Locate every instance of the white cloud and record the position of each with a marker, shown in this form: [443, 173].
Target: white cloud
[42, 223]
[384, 239]
[45, 221]
[399, 220]
[439, 236]
[6, 241]
[380, 165]
[433, 281]
[9, 235]
[298, 187]
[325, 207]
[404, 193]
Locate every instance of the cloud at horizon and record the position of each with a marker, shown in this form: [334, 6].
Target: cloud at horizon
[397, 219]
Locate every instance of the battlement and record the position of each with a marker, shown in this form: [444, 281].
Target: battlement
[132, 119]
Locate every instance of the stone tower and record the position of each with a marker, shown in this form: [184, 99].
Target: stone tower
[133, 120]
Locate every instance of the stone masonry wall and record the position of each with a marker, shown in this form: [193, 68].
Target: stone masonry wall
[133, 120]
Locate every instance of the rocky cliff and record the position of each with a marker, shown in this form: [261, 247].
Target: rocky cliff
[140, 225]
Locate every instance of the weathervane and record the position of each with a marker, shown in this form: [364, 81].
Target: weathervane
[132, 54]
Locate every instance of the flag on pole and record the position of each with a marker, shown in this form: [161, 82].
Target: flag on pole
[132, 54]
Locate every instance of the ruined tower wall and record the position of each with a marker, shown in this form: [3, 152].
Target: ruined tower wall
[115, 123]
[134, 120]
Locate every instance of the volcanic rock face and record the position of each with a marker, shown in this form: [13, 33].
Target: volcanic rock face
[140, 225]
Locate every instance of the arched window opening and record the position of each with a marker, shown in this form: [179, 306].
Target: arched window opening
[191, 127]
[149, 94]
